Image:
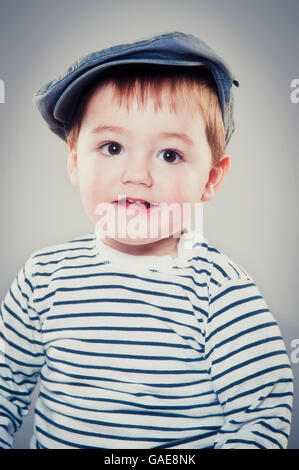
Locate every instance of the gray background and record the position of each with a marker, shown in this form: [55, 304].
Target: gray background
[254, 217]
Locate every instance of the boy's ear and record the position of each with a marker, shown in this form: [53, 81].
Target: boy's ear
[216, 177]
[72, 166]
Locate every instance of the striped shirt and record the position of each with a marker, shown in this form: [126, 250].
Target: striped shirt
[142, 352]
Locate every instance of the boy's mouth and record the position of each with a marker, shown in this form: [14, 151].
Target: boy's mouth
[139, 205]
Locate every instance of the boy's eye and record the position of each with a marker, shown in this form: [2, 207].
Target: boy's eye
[111, 148]
[170, 156]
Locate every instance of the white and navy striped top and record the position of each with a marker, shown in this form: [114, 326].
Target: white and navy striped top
[142, 352]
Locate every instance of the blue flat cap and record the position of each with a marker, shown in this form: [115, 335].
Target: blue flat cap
[58, 100]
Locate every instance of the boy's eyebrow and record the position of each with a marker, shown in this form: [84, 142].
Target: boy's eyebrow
[178, 135]
[108, 128]
[184, 137]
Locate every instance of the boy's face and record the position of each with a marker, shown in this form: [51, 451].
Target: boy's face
[157, 156]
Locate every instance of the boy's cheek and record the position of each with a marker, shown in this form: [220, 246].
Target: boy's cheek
[89, 203]
[185, 195]
[94, 195]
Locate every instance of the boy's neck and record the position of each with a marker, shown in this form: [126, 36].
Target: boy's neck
[163, 247]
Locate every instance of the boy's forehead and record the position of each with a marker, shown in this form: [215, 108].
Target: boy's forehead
[104, 100]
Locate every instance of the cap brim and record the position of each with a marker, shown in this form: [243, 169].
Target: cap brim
[68, 101]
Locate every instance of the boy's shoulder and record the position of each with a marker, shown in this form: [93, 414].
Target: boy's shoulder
[81, 242]
[69, 249]
[221, 268]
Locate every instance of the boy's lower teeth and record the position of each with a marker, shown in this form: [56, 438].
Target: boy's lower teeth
[135, 205]
[138, 205]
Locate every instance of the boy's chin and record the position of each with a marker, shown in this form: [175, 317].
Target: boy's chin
[137, 241]
[144, 246]
[140, 236]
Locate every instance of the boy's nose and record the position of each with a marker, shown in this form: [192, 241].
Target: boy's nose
[137, 172]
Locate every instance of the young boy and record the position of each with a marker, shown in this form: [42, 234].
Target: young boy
[142, 333]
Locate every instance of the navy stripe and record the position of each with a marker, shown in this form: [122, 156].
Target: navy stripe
[221, 270]
[104, 379]
[245, 441]
[236, 320]
[245, 363]
[154, 395]
[231, 289]
[236, 271]
[24, 364]
[107, 287]
[65, 250]
[137, 343]
[97, 435]
[238, 335]
[235, 304]
[272, 429]
[246, 346]
[62, 268]
[132, 404]
[18, 318]
[19, 383]
[57, 261]
[19, 334]
[24, 351]
[26, 280]
[4, 442]
[250, 377]
[64, 441]
[279, 405]
[179, 442]
[122, 315]
[267, 417]
[254, 390]
[122, 301]
[271, 439]
[16, 422]
[131, 371]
